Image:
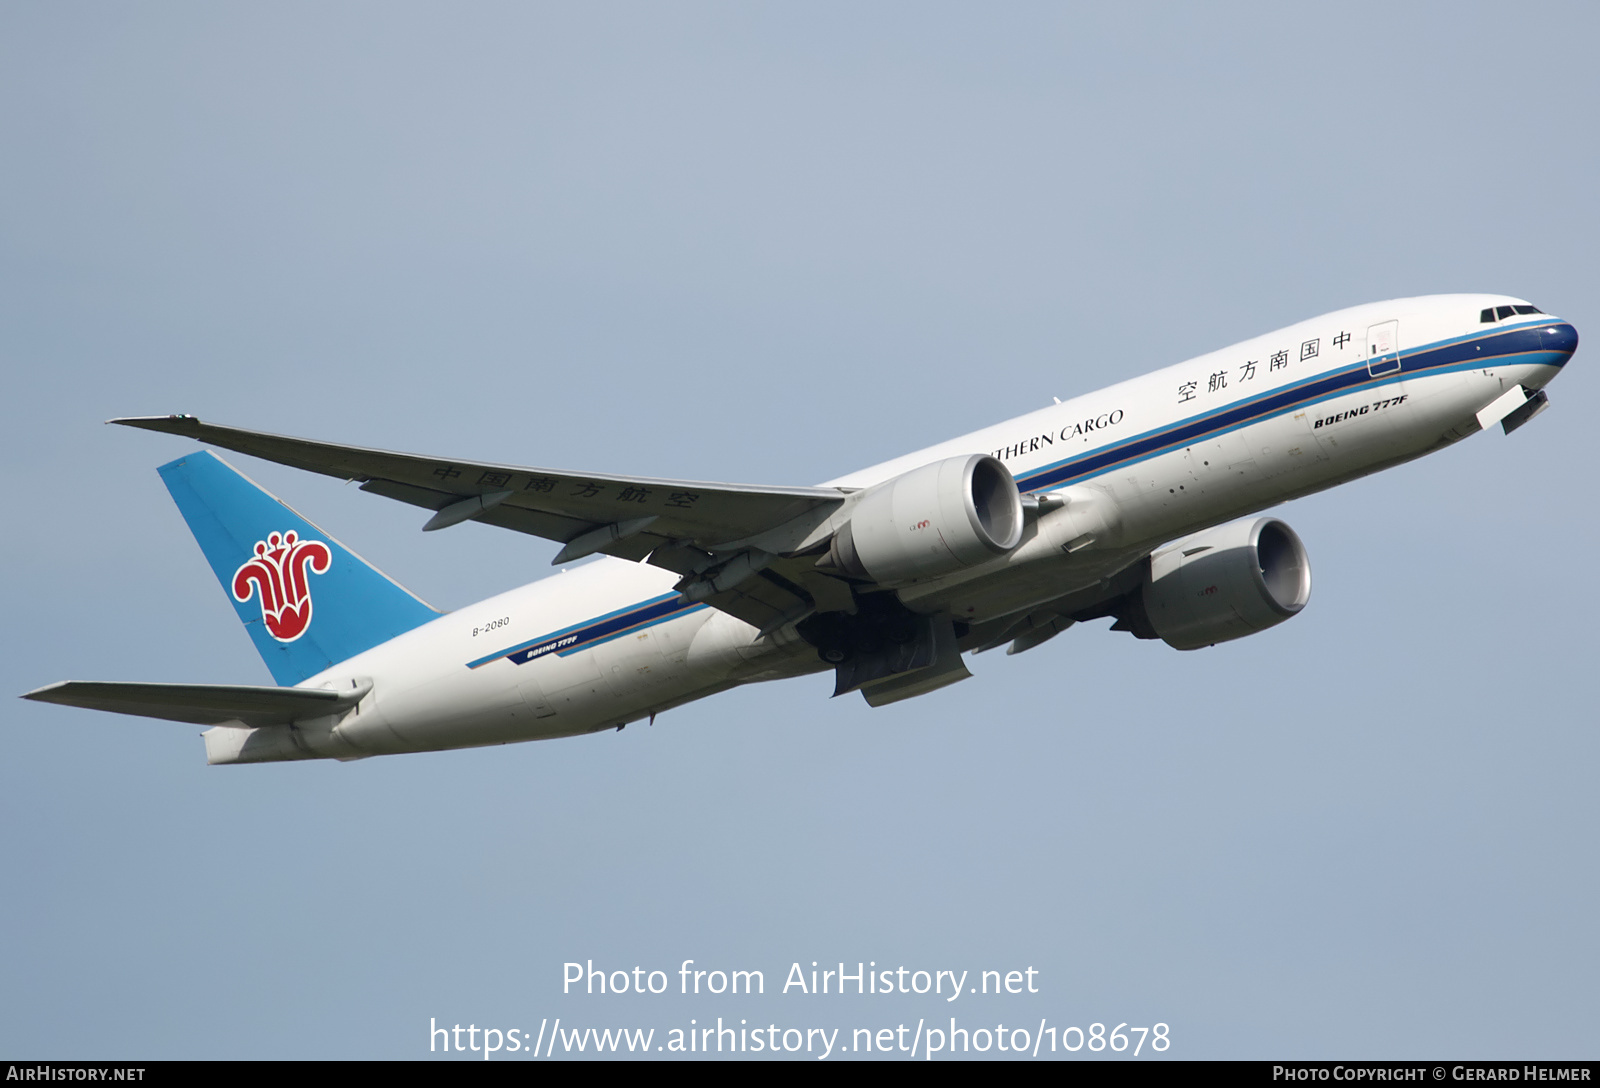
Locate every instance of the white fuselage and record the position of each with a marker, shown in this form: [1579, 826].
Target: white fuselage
[1160, 456]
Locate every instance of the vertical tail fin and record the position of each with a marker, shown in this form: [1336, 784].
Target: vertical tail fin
[307, 600]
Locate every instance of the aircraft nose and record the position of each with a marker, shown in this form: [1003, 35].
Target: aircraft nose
[1561, 339]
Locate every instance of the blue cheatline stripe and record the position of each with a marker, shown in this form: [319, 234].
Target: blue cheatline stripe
[592, 632]
[1459, 353]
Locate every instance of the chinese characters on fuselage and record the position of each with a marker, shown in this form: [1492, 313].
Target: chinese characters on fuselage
[1217, 381]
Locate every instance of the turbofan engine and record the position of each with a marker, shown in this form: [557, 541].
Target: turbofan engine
[1225, 583]
[931, 521]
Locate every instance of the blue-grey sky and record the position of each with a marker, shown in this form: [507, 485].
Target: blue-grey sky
[772, 243]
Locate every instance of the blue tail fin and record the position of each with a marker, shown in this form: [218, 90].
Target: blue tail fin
[307, 600]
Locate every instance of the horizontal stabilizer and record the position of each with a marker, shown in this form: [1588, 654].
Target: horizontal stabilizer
[203, 704]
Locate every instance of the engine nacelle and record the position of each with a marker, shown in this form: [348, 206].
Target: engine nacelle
[1226, 583]
[931, 521]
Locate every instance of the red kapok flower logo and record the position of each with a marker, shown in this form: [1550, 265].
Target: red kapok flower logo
[280, 573]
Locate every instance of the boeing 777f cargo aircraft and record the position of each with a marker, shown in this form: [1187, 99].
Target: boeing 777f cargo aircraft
[1115, 504]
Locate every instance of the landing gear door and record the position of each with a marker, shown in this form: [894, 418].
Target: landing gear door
[1383, 348]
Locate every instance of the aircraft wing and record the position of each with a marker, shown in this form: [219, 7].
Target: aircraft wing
[202, 704]
[726, 540]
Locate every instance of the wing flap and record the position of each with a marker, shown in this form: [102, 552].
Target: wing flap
[766, 600]
[201, 704]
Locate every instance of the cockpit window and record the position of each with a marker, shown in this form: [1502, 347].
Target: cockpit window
[1500, 313]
